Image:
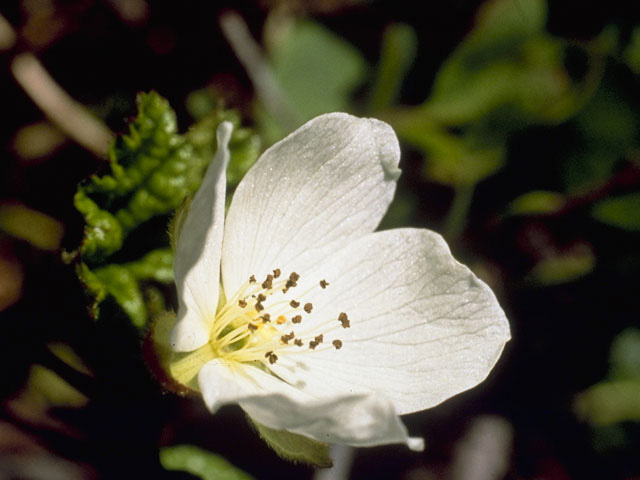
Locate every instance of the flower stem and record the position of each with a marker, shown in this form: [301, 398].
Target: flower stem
[456, 218]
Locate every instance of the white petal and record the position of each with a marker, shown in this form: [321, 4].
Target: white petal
[328, 182]
[197, 259]
[360, 420]
[423, 326]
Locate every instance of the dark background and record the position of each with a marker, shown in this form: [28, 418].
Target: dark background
[561, 333]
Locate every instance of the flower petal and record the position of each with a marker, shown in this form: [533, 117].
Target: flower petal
[328, 182]
[197, 258]
[423, 327]
[360, 420]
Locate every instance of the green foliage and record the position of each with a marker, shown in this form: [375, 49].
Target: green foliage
[152, 169]
[398, 52]
[631, 53]
[536, 202]
[199, 462]
[625, 355]
[608, 129]
[317, 72]
[622, 212]
[296, 448]
[563, 267]
[616, 399]
[507, 74]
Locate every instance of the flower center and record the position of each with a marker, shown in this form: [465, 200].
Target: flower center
[261, 319]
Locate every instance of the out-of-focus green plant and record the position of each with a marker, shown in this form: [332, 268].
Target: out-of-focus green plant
[199, 462]
[622, 211]
[317, 72]
[615, 399]
[153, 169]
[507, 73]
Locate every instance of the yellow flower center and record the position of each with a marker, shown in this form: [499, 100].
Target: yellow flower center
[261, 320]
[260, 323]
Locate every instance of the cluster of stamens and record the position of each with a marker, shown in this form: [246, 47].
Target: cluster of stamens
[253, 324]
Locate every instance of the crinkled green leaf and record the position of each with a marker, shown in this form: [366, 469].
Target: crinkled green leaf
[201, 463]
[152, 169]
[294, 447]
[622, 212]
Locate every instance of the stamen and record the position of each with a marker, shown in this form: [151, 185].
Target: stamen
[248, 328]
[285, 338]
[344, 320]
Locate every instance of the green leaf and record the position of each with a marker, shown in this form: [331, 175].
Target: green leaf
[625, 355]
[631, 53]
[536, 202]
[610, 402]
[294, 447]
[564, 268]
[201, 463]
[453, 159]
[315, 69]
[152, 169]
[622, 212]
[507, 60]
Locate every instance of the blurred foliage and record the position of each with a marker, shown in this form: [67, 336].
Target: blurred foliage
[508, 73]
[317, 72]
[27, 224]
[153, 169]
[622, 211]
[616, 399]
[199, 462]
[397, 54]
[536, 202]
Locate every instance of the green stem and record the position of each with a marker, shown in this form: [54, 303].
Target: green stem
[457, 216]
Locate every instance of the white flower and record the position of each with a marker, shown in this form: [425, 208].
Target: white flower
[313, 323]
